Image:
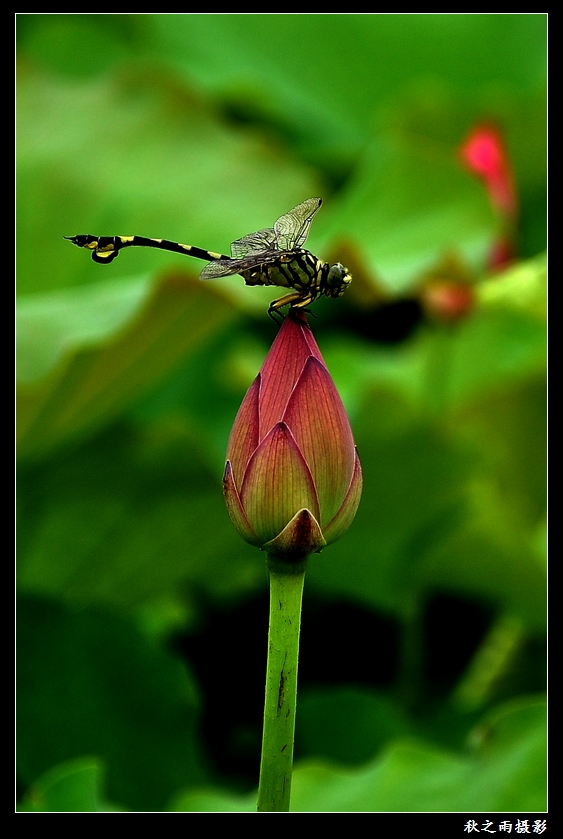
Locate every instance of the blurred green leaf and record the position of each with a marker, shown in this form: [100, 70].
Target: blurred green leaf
[445, 368]
[443, 508]
[347, 724]
[505, 772]
[52, 325]
[408, 204]
[413, 497]
[90, 683]
[72, 787]
[87, 354]
[123, 523]
[451, 432]
[77, 44]
[212, 801]
[298, 71]
[522, 287]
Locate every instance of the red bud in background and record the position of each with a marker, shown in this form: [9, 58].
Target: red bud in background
[484, 153]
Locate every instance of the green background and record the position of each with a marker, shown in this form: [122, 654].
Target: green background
[142, 614]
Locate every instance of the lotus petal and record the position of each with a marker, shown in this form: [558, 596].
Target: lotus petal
[277, 484]
[318, 421]
[244, 435]
[299, 538]
[284, 363]
[236, 510]
[345, 516]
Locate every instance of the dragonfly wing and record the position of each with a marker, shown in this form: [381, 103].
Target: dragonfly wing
[262, 240]
[220, 268]
[292, 228]
[227, 267]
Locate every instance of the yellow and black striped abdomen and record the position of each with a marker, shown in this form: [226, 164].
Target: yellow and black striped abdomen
[105, 248]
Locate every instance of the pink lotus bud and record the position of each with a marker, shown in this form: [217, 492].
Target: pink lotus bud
[484, 153]
[293, 479]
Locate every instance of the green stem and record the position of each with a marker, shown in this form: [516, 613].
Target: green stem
[286, 593]
[489, 664]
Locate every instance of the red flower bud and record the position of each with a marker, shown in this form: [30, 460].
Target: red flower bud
[293, 479]
[447, 301]
[484, 153]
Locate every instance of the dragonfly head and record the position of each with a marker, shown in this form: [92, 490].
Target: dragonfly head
[337, 281]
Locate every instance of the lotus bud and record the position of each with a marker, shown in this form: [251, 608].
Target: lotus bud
[293, 479]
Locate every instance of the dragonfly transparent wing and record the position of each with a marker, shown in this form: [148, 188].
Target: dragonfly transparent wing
[227, 267]
[292, 228]
[220, 268]
[262, 240]
[268, 245]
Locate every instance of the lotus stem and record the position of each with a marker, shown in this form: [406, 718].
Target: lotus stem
[286, 595]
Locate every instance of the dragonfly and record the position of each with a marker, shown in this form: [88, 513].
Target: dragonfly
[274, 256]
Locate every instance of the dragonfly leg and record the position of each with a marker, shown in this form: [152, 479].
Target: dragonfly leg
[280, 302]
[304, 301]
[296, 300]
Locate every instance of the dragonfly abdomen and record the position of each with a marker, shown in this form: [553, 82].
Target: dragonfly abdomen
[105, 248]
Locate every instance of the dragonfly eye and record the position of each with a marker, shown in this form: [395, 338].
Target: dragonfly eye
[338, 278]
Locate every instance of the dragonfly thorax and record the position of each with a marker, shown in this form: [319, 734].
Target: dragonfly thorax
[297, 269]
[301, 271]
